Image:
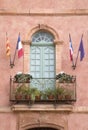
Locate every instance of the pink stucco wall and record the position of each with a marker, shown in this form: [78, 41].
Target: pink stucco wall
[75, 25]
[78, 122]
[8, 121]
[57, 4]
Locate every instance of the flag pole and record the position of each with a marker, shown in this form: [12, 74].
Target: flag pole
[11, 65]
[76, 60]
[14, 57]
[78, 54]
[73, 65]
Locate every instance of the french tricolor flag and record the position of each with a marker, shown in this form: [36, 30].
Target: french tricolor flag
[19, 47]
[70, 48]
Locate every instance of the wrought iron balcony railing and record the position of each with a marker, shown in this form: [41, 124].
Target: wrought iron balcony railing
[42, 90]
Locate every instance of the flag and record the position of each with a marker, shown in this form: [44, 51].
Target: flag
[8, 52]
[70, 48]
[81, 49]
[19, 47]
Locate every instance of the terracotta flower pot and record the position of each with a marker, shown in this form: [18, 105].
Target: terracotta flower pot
[38, 97]
[60, 97]
[50, 96]
[28, 97]
[18, 97]
[68, 97]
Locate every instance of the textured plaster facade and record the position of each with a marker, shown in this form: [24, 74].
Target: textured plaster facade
[61, 18]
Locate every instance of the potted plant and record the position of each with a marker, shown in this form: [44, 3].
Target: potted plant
[38, 94]
[20, 91]
[22, 78]
[63, 77]
[28, 93]
[60, 93]
[35, 94]
[68, 94]
[50, 93]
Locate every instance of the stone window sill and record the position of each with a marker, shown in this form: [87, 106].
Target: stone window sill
[40, 107]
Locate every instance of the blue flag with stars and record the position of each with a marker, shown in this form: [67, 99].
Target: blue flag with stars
[81, 49]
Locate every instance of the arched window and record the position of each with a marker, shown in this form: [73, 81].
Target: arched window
[42, 37]
[42, 60]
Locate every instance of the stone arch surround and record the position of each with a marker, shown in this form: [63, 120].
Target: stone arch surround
[29, 120]
[43, 125]
[43, 27]
[26, 43]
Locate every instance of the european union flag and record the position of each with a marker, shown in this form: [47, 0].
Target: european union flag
[81, 49]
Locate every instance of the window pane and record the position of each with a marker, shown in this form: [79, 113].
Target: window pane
[52, 68]
[51, 56]
[32, 68]
[51, 62]
[37, 62]
[38, 56]
[51, 74]
[38, 68]
[32, 62]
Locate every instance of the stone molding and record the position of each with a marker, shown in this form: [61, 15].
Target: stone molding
[5, 110]
[40, 107]
[45, 12]
[43, 27]
[26, 42]
[46, 107]
[29, 42]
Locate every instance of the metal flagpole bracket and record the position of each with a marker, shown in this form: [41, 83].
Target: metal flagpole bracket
[73, 66]
[12, 65]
